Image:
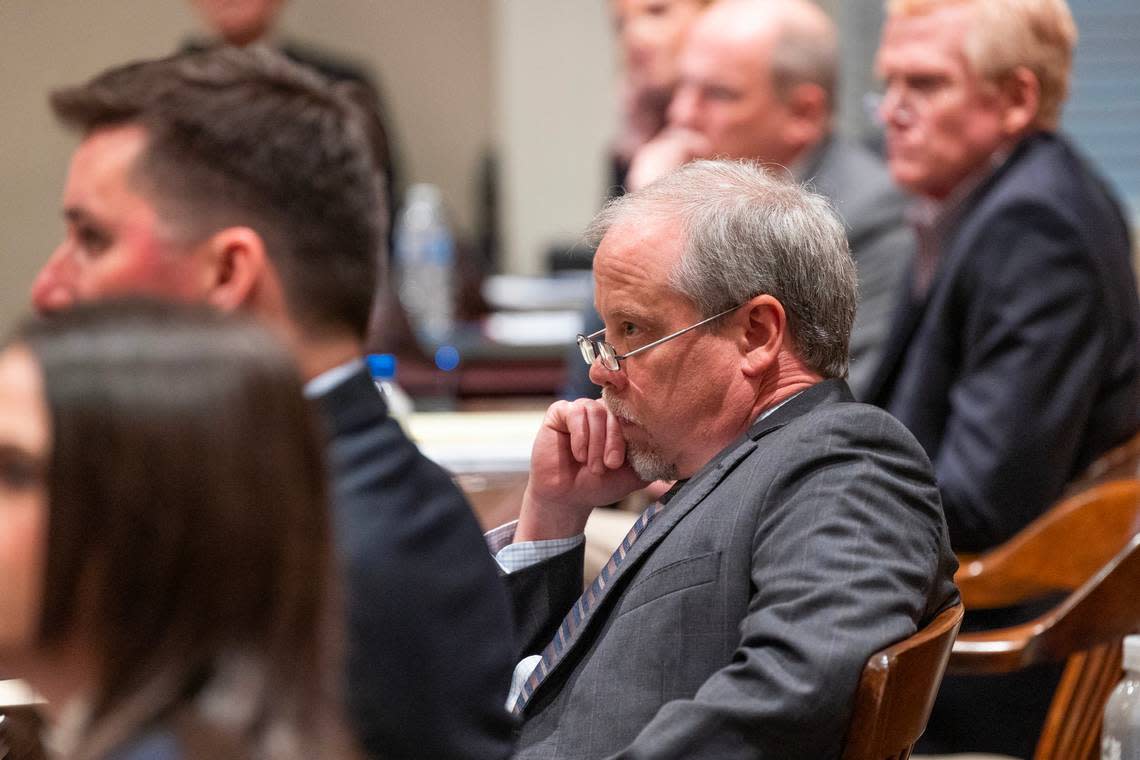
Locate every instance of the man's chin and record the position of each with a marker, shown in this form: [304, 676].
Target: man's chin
[649, 464]
[642, 456]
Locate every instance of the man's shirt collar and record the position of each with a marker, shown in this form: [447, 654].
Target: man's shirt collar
[331, 378]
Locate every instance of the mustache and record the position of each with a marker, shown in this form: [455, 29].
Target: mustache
[618, 408]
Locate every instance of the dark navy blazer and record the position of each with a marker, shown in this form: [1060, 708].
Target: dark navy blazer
[1022, 364]
[430, 649]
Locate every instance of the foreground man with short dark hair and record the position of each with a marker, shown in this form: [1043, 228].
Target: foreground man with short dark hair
[804, 532]
[236, 178]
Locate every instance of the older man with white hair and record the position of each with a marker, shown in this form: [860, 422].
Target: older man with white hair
[1015, 359]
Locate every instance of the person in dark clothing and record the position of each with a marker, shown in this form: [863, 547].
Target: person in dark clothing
[167, 607]
[1015, 355]
[237, 178]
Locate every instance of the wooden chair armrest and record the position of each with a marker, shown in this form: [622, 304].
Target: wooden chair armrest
[1044, 558]
[1001, 650]
[1102, 610]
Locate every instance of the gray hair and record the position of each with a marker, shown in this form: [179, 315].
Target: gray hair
[806, 51]
[746, 232]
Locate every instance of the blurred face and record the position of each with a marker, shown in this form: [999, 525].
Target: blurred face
[239, 22]
[114, 242]
[942, 120]
[725, 92]
[25, 441]
[650, 33]
[673, 419]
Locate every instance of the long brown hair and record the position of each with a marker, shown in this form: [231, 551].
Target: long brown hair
[188, 536]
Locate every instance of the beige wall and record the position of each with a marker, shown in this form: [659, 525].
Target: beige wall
[45, 44]
[555, 64]
[433, 59]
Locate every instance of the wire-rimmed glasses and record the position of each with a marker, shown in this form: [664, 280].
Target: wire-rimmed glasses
[592, 348]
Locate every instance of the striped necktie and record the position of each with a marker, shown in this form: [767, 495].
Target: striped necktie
[579, 613]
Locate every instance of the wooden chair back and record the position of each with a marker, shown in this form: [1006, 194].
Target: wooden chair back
[897, 689]
[1072, 726]
[1085, 631]
[1058, 551]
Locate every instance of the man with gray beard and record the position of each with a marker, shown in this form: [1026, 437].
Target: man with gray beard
[804, 531]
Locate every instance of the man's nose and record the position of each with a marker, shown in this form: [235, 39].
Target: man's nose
[601, 375]
[895, 109]
[51, 290]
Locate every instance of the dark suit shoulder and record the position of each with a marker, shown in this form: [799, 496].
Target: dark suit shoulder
[1048, 174]
[861, 429]
[378, 473]
[856, 465]
[1045, 218]
[824, 424]
[427, 611]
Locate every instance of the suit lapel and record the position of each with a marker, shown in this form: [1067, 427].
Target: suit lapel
[687, 499]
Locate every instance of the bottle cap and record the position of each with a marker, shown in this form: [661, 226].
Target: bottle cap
[447, 358]
[1132, 653]
[382, 366]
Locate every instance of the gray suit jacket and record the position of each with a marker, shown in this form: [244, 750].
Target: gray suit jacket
[740, 621]
[881, 240]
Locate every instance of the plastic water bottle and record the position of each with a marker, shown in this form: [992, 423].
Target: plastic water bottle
[425, 256]
[383, 369]
[1120, 737]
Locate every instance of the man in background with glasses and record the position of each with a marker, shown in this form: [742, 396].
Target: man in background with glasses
[758, 81]
[1015, 359]
[803, 532]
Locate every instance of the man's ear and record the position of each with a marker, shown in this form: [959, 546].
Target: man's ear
[763, 337]
[238, 265]
[809, 116]
[1020, 92]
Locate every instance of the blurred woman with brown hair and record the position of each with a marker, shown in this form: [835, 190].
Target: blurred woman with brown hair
[164, 546]
[650, 34]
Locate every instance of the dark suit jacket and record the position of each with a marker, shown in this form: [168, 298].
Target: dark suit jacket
[740, 621]
[429, 637]
[1022, 364]
[882, 243]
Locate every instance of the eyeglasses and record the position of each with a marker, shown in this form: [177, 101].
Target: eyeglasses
[905, 108]
[592, 348]
[902, 102]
